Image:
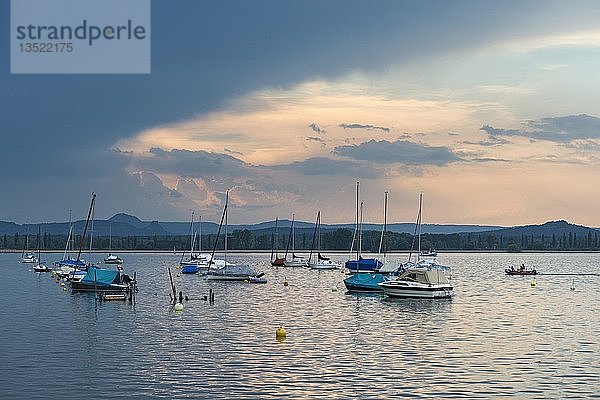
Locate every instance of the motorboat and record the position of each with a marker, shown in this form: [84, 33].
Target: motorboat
[423, 279]
[113, 259]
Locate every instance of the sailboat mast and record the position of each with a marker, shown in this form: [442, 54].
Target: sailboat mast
[226, 215]
[384, 227]
[109, 238]
[360, 232]
[68, 237]
[84, 231]
[385, 205]
[200, 235]
[420, 220]
[192, 237]
[356, 229]
[293, 236]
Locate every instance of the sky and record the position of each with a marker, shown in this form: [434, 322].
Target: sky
[490, 109]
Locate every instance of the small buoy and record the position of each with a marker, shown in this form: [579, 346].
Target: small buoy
[334, 288]
[280, 333]
[64, 289]
[246, 281]
[533, 283]
[573, 284]
[178, 307]
[178, 275]
[285, 282]
[62, 284]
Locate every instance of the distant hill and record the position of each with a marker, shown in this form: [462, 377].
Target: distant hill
[128, 225]
[550, 228]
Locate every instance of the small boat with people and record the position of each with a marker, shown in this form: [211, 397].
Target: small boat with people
[520, 271]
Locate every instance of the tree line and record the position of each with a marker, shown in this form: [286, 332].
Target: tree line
[339, 239]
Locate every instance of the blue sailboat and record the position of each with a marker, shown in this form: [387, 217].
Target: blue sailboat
[369, 282]
[360, 264]
[99, 279]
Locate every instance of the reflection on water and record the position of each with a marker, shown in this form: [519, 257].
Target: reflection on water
[497, 337]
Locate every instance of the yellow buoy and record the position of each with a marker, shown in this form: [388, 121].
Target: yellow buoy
[334, 288]
[285, 283]
[533, 283]
[64, 289]
[178, 307]
[280, 333]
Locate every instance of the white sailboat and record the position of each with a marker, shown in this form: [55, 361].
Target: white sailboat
[26, 256]
[111, 258]
[221, 270]
[296, 261]
[423, 278]
[40, 266]
[320, 261]
[196, 262]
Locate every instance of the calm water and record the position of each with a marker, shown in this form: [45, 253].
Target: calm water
[498, 337]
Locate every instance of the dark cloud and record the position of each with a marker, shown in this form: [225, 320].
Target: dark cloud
[315, 139]
[400, 151]
[316, 128]
[492, 140]
[362, 126]
[556, 129]
[329, 166]
[490, 159]
[239, 153]
[197, 163]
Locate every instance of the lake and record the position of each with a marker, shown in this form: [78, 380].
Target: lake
[498, 337]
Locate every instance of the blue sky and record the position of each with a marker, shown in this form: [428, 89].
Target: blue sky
[489, 108]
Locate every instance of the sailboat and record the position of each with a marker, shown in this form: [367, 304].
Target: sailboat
[196, 262]
[222, 270]
[423, 278]
[320, 261]
[67, 263]
[100, 279]
[360, 264]
[26, 256]
[296, 261]
[369, 282]
[111, 258]
[40, 266]
[277, 261]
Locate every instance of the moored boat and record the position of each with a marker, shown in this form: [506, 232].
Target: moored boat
[423, 279]
[320, 262]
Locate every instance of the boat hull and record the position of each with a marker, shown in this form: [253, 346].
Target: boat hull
[364, 283]
[417, 290]
[520, 273]
[366, 265]
[324, 266]
[295, 264]
[87, 287]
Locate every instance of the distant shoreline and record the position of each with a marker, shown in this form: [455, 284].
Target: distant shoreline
[337, 252]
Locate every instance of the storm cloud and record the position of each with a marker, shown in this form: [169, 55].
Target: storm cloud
[400, 151]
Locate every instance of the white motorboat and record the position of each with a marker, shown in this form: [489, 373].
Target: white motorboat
[423, 279]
